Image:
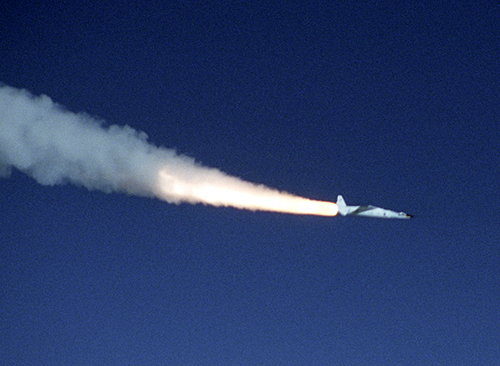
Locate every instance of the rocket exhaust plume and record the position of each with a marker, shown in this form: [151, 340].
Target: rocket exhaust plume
[56, 146]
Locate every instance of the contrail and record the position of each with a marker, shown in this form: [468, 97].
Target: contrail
[55, 146]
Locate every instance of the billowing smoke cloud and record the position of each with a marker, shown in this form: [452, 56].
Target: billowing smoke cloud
[56, 146]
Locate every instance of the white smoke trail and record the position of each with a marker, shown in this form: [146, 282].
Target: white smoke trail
[55, 146]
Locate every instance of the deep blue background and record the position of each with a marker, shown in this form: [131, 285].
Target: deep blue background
[396, 105]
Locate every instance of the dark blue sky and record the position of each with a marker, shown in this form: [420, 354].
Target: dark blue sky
[395, 105]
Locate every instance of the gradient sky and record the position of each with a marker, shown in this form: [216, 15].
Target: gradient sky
[393, 104]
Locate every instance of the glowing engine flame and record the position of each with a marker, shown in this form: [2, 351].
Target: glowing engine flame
[219, 189]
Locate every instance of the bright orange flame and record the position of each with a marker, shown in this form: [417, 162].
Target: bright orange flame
[218, 189]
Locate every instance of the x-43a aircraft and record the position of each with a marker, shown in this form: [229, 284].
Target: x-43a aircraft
[369, 211]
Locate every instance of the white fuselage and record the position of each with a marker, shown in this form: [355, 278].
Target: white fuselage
[369, 211]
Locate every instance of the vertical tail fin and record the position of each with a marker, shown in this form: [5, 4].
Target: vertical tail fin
[342, 205]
